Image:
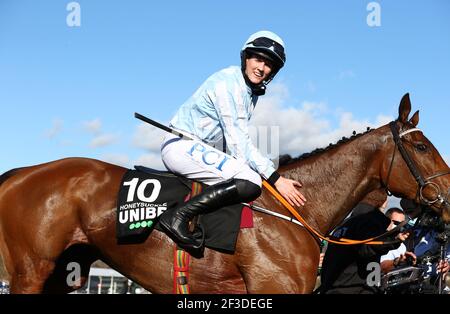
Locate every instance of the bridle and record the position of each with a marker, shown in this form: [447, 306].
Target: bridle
[422, 182]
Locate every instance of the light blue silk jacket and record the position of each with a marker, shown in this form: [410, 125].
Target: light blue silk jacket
[218, 113]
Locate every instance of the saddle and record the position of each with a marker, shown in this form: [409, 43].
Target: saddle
[146, 193]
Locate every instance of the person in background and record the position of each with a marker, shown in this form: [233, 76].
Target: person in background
[421, 244]
[400, 255]
[344, 268]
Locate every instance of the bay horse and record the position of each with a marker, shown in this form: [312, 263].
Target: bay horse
[65, 211]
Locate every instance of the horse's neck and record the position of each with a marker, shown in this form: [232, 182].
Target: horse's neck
[336, 180]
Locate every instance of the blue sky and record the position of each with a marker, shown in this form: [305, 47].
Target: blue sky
[72, 91]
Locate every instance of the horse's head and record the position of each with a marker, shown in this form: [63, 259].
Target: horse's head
[414, 169]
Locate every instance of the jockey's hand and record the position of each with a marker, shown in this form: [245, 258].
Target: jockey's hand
[289, 190]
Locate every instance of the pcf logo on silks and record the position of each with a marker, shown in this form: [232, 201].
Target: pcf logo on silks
[209, 156]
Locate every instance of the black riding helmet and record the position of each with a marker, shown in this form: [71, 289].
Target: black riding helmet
[269, 46]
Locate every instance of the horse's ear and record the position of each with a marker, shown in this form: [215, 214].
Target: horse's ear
[415, 118]
[404, 109]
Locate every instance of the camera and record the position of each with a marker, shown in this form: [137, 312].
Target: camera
[404, 280]
[433, 222]
[430, 220]
[418, 279]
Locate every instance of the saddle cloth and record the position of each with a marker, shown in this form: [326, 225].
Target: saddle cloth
[146, 193]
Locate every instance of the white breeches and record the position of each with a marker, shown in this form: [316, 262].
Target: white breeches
[198, 161]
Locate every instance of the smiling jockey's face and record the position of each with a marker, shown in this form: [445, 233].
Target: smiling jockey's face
[257, 69]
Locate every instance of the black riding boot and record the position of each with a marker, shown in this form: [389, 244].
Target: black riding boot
[175, 222]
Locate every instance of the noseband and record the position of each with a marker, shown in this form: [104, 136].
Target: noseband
[421, 181]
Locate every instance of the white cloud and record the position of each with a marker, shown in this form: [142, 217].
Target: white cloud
[308, 127]
[92, 126]
[117, 159]
[103, 140]
[99, 139]
[151, 160]
[148, 137]
[56, 128]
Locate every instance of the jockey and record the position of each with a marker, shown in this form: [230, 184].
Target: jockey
[222, 154]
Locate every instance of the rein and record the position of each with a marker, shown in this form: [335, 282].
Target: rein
[341, 241]
[295, 221]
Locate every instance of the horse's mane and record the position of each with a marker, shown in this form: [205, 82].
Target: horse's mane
[286, 159]
[8, 175]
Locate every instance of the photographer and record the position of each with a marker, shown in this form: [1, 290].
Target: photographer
[422, 249]
[399, 256]
[344, 269]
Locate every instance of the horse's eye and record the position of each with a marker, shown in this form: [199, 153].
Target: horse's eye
[421, 147]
